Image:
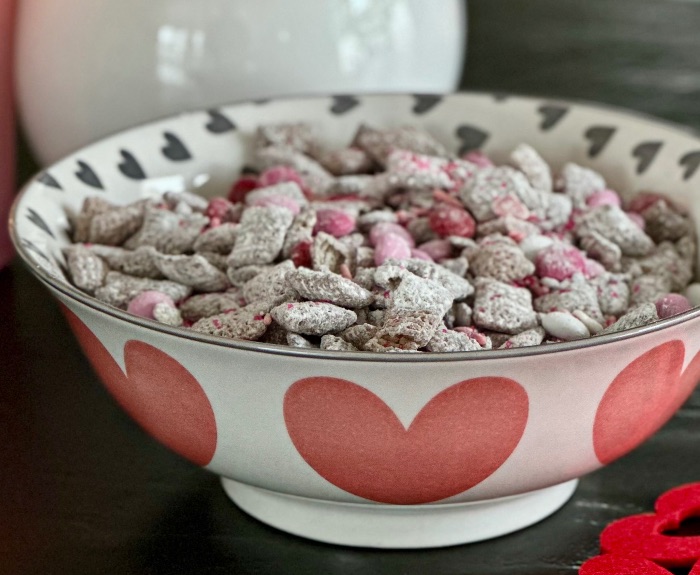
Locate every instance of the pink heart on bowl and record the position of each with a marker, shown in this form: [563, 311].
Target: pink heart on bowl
[349, 436]
[642, 397]
[157, 392]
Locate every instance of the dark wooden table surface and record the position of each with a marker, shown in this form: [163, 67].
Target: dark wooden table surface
[84, 491]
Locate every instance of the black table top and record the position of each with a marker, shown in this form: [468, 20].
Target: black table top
[83, 490]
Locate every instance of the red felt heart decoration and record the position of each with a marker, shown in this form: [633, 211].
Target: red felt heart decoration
[613, 564]
[157, 391]
[641, 399]
[349, 436]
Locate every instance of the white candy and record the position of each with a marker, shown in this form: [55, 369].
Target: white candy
[564, 326]
[532, 245]
[692, 292]
[592, 325]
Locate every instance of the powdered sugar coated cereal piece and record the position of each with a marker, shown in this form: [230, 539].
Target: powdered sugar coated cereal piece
[86, 269]
[299, 341]
[564, 326]
[614, 224]
[167, 314]
[143, 304]
[502, 307]
[334, 343]
[419, 170]
[602, 249]
[415, 293]
[637, 317]
[445, 340]
[208, 304]
[119, 289]
[247, 323]
[260, 236]
[666, 261]
[503, 262]
[405, 330]
[167, 232]
[271, 285]
[80, 222]
[239, 276]
[663, 222]
[458, 266]
[458, 287]
[649, 288]
[359, 335]
[115, 225]
[490, 183]
[529, 161]
[421, 230]
[314, 176]
[313, 318]
[367, 220]
[343, 161]
[527, 338]
[194, 271]
[330, 287]
[560, 261]
[219, 239]
[329, 254]
[580, 296]
[579, 183]
[380, 143]
[300, 231]
[613, 293]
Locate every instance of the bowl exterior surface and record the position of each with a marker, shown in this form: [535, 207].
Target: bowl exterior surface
[361, 427]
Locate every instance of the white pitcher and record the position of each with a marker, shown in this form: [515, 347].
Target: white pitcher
[87, 68]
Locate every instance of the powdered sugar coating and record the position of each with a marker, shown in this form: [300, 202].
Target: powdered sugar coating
[392, 244]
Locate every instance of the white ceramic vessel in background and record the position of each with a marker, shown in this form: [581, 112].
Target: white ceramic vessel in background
[378, 450]
[88, 68]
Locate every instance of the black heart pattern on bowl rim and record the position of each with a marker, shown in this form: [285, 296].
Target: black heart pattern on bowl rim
[88, 176]
[130, 167]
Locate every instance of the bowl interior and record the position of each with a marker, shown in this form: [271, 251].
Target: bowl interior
[205, 151]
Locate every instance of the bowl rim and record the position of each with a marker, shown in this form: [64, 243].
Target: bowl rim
[357, 356]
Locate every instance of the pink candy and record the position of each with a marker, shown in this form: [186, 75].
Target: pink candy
[334, 222]
[417, 254]
[603, 198]
[383, 228]
[436, 249]
[391, 246]
[278, 175]
[560, 262]
[478, 158]
[281, 201]
[672, 304]
[510, 206]
[143, 304]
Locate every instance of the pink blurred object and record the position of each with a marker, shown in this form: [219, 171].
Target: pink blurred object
[7, 128]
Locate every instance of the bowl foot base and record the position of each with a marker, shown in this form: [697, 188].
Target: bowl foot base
[398, 526]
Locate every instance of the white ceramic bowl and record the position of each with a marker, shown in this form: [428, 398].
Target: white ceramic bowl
[86, 69]
[372, 449]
